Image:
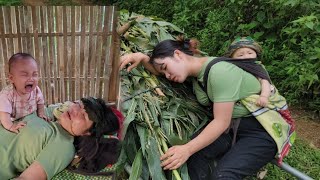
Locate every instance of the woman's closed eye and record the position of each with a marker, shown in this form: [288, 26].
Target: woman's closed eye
[163, 67]
[81, 112]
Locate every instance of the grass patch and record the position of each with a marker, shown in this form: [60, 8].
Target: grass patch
[302, 157]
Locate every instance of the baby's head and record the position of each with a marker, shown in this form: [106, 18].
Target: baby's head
[244, 48]
[23, 72]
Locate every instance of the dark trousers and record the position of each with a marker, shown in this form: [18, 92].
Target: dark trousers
[253, 149]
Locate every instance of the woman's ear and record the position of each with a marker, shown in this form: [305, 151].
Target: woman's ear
[177, 54]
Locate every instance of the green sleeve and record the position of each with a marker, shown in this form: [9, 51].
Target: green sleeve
[56, 156]
[224, 82]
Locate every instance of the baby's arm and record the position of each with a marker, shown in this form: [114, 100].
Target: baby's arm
[265, 93]
[8, 124]
[40, 112]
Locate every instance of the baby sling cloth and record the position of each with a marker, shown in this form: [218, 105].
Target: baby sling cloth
[275, 118]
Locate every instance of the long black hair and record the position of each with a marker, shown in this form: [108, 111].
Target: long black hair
[102, 146]
[167, 47]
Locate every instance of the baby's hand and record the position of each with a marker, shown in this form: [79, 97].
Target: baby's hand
[16, 126]
[262, 101]
[44, 117]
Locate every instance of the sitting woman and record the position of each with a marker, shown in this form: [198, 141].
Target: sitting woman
[241, 151]
[42, 149]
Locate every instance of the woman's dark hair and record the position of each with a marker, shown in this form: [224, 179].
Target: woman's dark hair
[99, 149]
[166, 48]
[18, 56]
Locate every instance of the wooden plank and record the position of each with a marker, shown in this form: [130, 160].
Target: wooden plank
[114, 58]
[28, 27]
[3, 54]
[84, 16]
[34, 15]
[14, 28]
[39, 27]
[7, 11]
[86, 67]
[3, 40]
[54, 58]
[18, 29]
[2, 66]
[77, 66]
[44, 28]
[60, 57]
[106, 51]
[51, 57]
[73, 51]
[22, 25]
[65, 52]
[59, 25]
[46, 53]
[98, 54]
[64, 60]
[92, 50]
[69, 65]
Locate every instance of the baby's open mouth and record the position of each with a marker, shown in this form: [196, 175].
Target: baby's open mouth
[28, 87]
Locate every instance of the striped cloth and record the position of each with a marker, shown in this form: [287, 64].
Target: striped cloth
[276, 120]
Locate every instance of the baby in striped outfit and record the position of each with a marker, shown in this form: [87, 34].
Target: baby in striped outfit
[23, 96]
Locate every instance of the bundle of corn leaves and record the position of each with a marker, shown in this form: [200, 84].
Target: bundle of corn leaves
[158, 113]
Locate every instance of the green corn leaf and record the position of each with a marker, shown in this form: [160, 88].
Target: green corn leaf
[184, 172]
[153, 159]
[136, 166]
[130, 145]
[130, 116]
[178, 127]
[142, 132]
[175, 140]
[163, 23]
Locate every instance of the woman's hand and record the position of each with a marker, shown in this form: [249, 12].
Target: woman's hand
[175, 157]
[133, 59]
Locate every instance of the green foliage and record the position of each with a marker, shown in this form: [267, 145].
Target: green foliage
[289, 31]
[161, 9]
[10, 2]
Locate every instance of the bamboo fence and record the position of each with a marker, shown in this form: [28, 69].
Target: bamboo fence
[76, 48]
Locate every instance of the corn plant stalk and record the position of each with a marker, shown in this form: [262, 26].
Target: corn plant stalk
[153, 84]
[165, 148]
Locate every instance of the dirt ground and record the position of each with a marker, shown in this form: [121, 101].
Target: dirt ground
[307, 126]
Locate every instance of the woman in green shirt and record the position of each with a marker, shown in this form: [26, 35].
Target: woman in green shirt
[42, 149]
[227, 84]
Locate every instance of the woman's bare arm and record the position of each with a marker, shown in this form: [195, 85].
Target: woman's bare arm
[134, 59]
[34, 171]
[178, 155]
